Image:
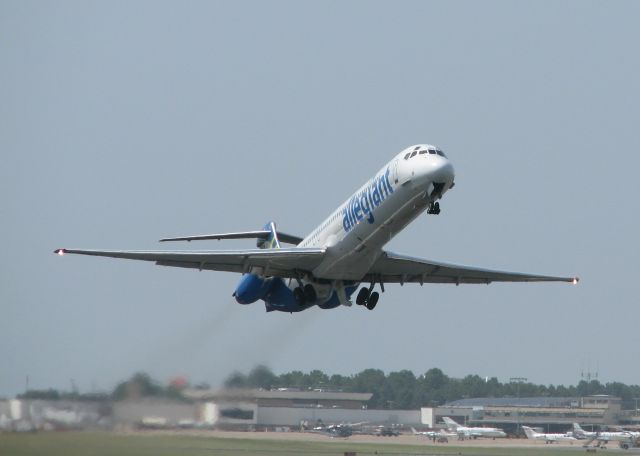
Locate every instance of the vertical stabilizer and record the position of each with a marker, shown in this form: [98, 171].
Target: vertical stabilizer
[450, 423]
[529, 432]
[271, 242]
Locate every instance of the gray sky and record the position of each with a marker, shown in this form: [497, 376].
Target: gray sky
[124, 122]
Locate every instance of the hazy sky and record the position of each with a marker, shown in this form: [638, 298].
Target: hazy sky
[124, 122]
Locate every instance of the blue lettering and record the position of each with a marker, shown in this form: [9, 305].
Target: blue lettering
[386, 181]
[371, 219]
[376, 195]
[364, 204]
[346, 224]
[356, 210]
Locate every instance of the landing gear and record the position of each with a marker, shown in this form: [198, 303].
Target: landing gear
[298, 295]
[310, 293]
[367, 298]
[363, 295]
[304, 294]
[373, 300]
[434, 208]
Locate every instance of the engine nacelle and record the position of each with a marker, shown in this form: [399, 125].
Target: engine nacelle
[251, 288]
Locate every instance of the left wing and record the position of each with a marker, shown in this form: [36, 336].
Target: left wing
[394, 268]
[281, 262]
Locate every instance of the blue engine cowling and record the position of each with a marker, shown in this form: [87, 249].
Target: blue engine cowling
[251, 288]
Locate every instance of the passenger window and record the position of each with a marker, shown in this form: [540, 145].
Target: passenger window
[413, 153]
[406, 157]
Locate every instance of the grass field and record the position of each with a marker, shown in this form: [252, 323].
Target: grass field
[112, 444]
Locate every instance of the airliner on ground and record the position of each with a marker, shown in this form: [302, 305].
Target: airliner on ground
[548, 438]
[604, 437]
[473, 432]
[327, 266]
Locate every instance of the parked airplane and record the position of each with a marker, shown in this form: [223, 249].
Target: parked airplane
[342, 430]
[441, 435]
[548, 438]
[603, 437]
[345, 250]
[473, 432]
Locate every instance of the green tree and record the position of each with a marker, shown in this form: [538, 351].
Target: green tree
[236, 380]
[138, 386]
[261, 377]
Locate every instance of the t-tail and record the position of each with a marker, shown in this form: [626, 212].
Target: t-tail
[271, 242]
[450, 423]
[529, 432]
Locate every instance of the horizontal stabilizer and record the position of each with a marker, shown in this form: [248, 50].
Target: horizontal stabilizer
[257, 234]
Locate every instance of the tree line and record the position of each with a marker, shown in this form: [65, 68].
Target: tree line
[396, 390]
[405, 390]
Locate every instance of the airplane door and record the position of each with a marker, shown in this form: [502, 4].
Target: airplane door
[395, 171]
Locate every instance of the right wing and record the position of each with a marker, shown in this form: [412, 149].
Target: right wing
[281, 262]
[394, 268]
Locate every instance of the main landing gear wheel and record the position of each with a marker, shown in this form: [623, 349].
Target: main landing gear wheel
[434, 208]
[373, 300]
[363, 296]
[298, 295]
[310, 293]
[367, 298]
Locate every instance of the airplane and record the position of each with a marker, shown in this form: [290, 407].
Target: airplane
[603, 437]
[341, 430]
[441, 435]
[473, 432]
[548, 438]
[326, 267]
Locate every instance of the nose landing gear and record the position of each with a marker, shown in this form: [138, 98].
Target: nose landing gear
[434, 208]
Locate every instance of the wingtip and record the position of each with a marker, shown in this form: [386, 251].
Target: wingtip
[60, 251]
[575, 280]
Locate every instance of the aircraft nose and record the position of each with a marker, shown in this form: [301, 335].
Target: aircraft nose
[443, 171]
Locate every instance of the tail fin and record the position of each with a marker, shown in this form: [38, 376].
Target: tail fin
[271, 242]
[577, 428]
[413, 430]
[529, 432]
[450, 423]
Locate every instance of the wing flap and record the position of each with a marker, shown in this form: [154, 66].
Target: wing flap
[395, 268]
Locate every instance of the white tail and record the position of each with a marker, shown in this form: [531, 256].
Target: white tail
[450, 423]
[529, 432]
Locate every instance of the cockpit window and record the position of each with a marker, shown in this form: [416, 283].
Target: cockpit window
[424, 151]
[432, 151]
[439, 152]
[406, 157]
[413, 153]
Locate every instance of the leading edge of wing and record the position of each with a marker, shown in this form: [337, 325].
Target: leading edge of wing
[392, 267]
[281, 262]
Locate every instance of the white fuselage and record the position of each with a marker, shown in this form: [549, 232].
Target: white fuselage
[480, 432]
[355, 233]
[548, 438]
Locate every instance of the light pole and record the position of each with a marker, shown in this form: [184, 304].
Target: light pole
[518, 381]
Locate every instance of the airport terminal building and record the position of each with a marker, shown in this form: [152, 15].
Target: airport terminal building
[552, 414]
[291, 409]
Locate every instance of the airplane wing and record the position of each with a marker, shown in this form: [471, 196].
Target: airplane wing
[394, 268]
[256, 234]
[281, 262]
